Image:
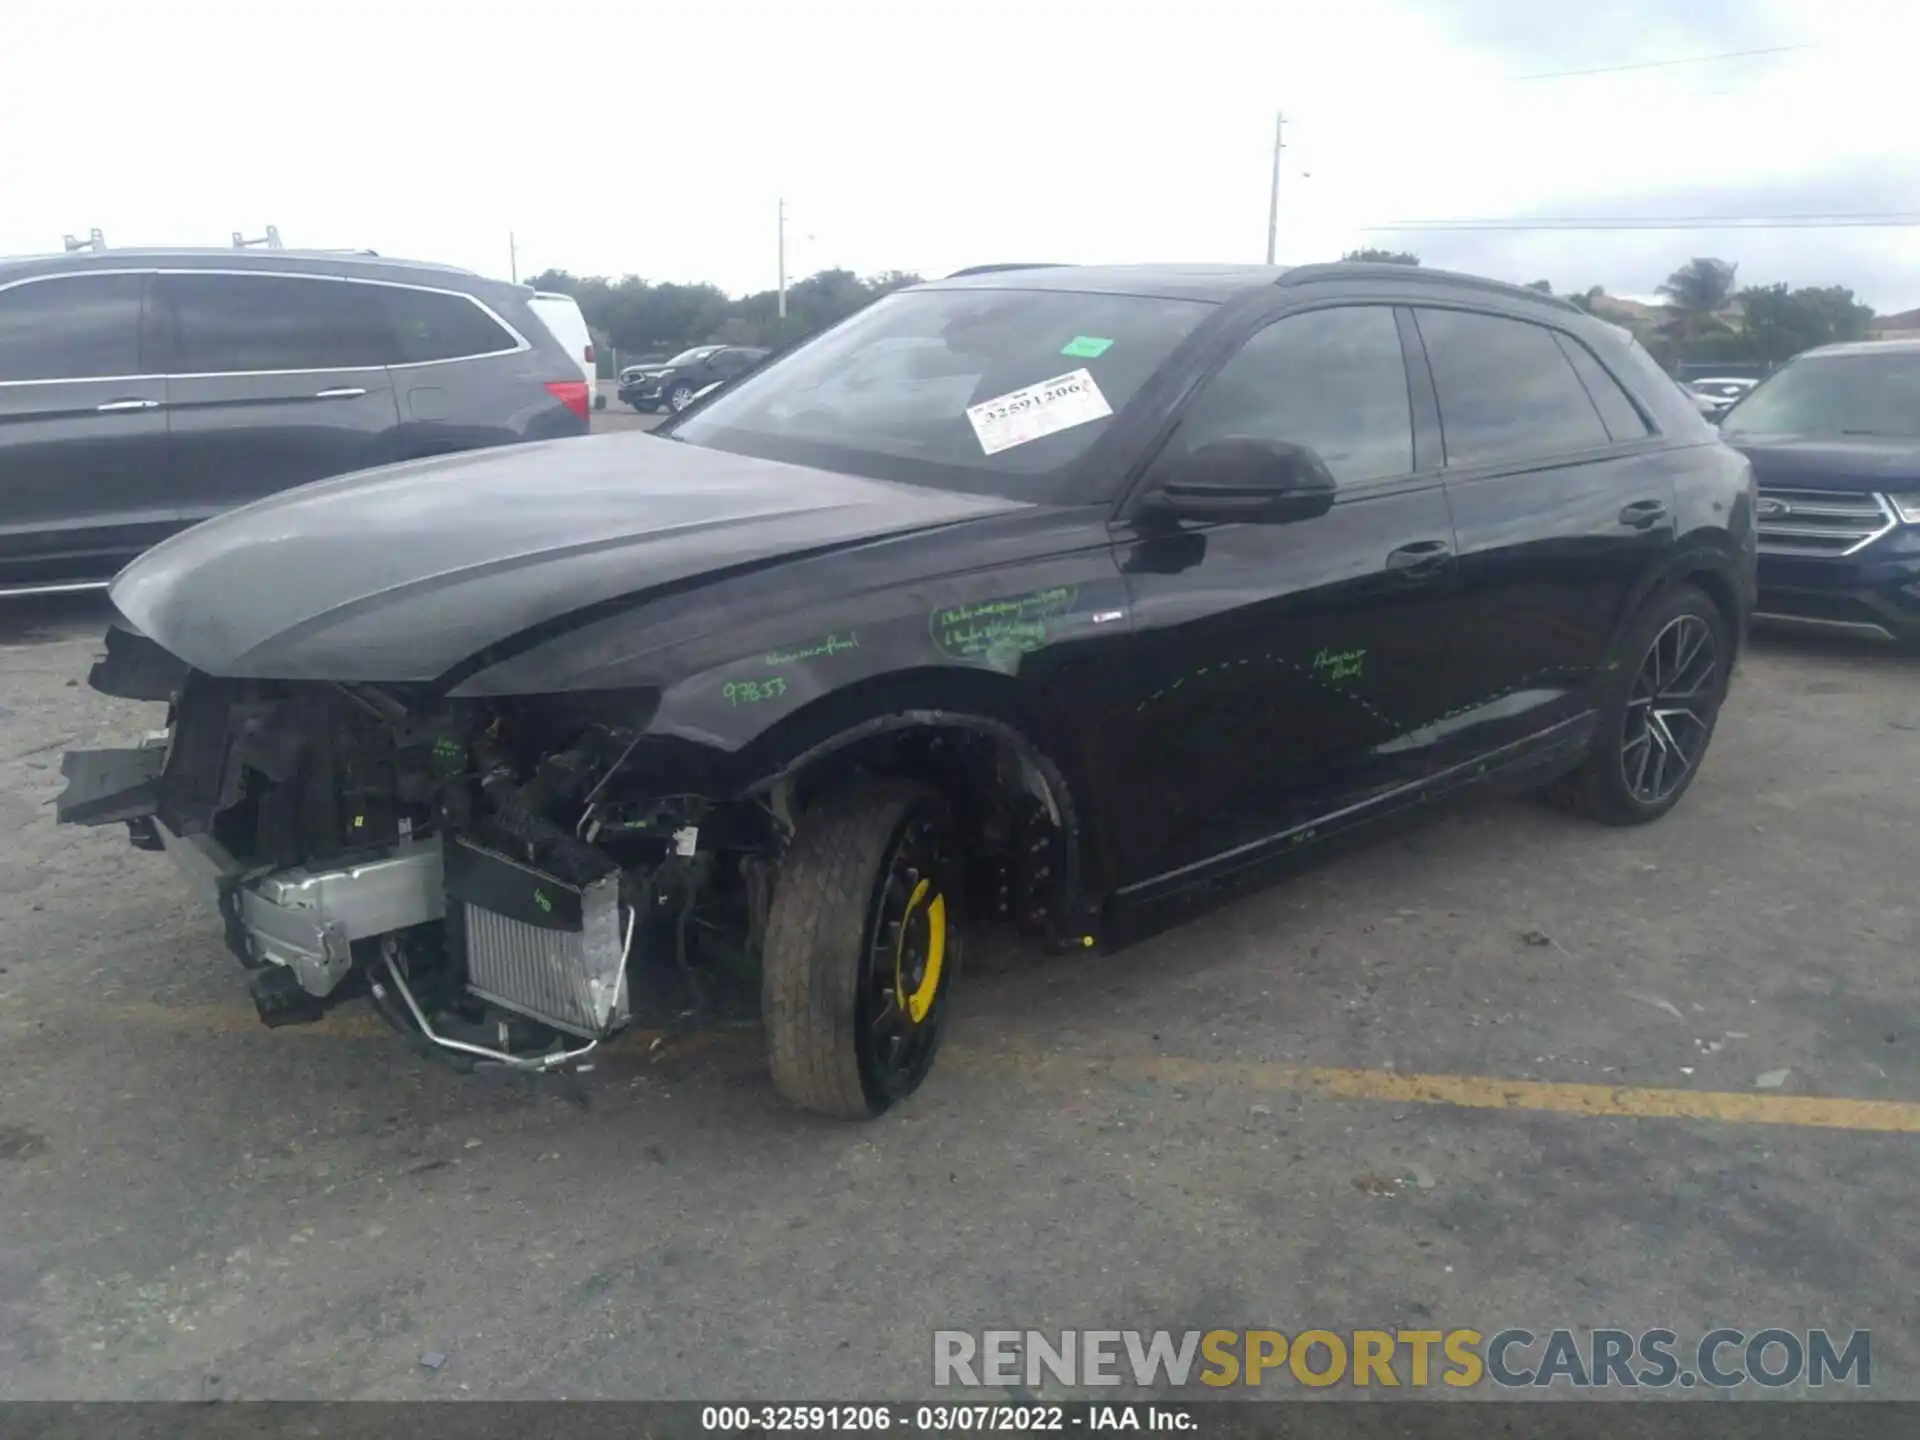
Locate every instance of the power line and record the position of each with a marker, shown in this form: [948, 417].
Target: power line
[1888, 221]
[1665, 64]
[1661, 219]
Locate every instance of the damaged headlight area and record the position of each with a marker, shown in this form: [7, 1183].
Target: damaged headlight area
[510, 882]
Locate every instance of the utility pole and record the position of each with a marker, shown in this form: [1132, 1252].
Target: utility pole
[513, 254]
[1273, 196]
[783, 259]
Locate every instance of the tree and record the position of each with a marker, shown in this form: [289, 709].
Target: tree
[641, 317]
[1545, 287]
[1841, 315]
[1697, 292]
[1382, 257]
[1780, 323]
[1584, 299]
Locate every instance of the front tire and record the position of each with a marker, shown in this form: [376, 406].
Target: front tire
[862, 948]
[1659, 718]
[679, 398]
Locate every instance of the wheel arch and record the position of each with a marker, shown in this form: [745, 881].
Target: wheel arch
[1719, 588]
[1706, 566]
[879, 727]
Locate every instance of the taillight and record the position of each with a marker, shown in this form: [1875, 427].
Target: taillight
[570, 393]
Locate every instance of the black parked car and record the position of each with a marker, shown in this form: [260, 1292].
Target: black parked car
[1165, 576]
[142, 391]
[1834, 437]
[675, 384]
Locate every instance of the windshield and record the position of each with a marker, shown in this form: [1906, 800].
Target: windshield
[901, 390]
[1835, 395]
[687, 357]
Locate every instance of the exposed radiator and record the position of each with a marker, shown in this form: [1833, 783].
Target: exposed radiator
[537, 946]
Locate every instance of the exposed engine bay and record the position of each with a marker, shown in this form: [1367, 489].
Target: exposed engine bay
[509, 882]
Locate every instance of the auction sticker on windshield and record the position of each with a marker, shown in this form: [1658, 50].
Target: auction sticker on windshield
[1028, 414]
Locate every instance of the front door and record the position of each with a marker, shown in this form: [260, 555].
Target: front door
[1282, 667]
[83, 431]
[1562, 515]
[275, 380]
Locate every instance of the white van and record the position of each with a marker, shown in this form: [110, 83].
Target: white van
[569, 327]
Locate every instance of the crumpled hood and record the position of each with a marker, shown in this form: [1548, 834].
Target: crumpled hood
[1826, 463]
[402, 572]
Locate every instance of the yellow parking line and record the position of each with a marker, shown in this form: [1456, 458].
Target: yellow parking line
[1482, 1092]
[1473, 1092]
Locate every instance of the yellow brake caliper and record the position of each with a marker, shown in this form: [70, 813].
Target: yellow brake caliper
[921, 1000]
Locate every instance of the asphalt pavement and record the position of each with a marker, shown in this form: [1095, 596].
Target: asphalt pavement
[1505, 1068]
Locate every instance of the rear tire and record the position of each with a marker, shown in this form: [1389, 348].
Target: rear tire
[1659, 716]
[862, 948]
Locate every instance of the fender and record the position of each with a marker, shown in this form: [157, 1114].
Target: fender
[1694, 555]
[1076, 839]
[984, 703]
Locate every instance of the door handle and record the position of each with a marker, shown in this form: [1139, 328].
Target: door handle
[1421, 560]
[343, 392]
[1643, 514]
[115, 407]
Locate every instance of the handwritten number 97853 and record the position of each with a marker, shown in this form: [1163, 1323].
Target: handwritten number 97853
[753, 692]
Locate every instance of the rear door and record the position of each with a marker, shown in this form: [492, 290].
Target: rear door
[275, 380]
[83, 430]
[1284, 669]
[1560, 509]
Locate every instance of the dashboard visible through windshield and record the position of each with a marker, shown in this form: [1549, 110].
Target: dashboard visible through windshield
[1835, 396]
[974, 389]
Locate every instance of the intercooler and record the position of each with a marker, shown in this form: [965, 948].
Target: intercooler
[536, 945]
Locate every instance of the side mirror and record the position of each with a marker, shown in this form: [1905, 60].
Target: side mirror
[1245, 479]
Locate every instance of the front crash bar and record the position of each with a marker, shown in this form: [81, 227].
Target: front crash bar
[307, 920]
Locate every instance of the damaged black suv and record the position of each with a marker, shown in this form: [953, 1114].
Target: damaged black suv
[1044, 595]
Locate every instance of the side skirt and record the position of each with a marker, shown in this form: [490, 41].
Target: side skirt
[1532, 759]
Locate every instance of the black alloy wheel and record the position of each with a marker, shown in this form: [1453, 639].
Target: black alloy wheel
[1670, 710]
[1659, 703]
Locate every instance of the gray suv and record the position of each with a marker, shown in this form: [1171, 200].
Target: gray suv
[142, 391]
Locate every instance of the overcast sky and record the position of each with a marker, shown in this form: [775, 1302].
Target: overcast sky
[656, 138]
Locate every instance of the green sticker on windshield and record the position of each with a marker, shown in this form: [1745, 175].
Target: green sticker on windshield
[1086, 347]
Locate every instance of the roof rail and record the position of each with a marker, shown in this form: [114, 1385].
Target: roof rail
[271, 240]
[1387, 269]
[996, 269]
[94, 241]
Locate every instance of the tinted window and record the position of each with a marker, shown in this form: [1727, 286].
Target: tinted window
[228, 323]
[1332, 380]
[1835, 395]
[987, 420]
[1621, 416]
[1506, 392]
[434, 326]
[71, 329]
